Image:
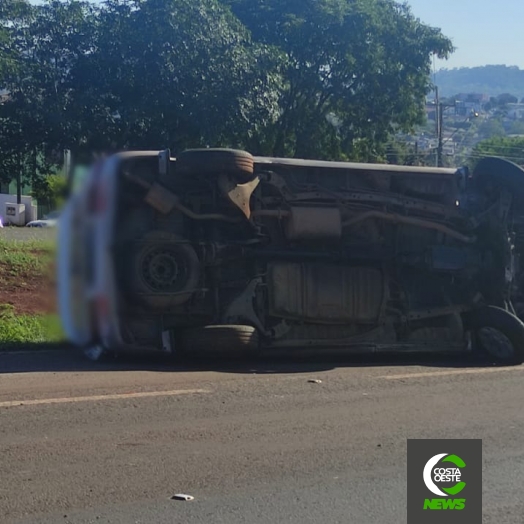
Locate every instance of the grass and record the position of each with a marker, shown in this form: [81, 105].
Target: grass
[31, 329]
[23, 261]
[25, 271]
[18, 257]
[22, 250]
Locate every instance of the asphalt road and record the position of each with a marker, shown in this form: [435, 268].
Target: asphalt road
[253, 443]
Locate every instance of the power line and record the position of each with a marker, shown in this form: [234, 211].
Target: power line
[516, 160]
[469, 155]
[505, 148]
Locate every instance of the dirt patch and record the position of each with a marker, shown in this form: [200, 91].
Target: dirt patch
[28, 302]
[27, 292]
[27, 276]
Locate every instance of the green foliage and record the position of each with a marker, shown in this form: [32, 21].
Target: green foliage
[181, 73]
[401, 153]
[506, 98]
[367, 64]
[517, 128]
[316, 78]
[510, 148]
[491, 127]
[27, 329]
[48, 40]
[50, 190]
[29, 257]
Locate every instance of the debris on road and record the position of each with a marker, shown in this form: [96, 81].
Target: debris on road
[181, 496]
[315, 381]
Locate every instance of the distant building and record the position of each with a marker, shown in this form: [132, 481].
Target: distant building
[515, 111]
[473, 98]
[449, 148]
[431, 111]
[470, 102]
[426, 144]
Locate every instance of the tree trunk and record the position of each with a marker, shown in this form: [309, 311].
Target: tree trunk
[19, 180]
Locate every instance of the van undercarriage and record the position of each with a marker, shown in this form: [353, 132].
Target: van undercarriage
[220, 250]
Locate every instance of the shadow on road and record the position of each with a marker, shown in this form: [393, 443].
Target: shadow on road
[46, 359]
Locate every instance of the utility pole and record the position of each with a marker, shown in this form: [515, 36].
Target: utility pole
[439, 120]
[439, 117]
[440, 125]
[67, 163]
[441, 136]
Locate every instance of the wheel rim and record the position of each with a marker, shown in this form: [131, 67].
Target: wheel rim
[495, 343]
[163, 269]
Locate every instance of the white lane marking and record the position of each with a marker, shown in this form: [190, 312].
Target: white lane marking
[96, 398]
[454, 372]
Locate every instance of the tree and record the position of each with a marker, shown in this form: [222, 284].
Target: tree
[172, 73]
[402, 153]
[11, 11]
[492, 127]
[505, 99]
[50, 190]
[517, 128]
[367, 63]
[14, 19]
[332, 79]
[510, 148]
[45, 42]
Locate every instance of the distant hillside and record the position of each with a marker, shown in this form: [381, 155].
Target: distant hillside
[491, 80]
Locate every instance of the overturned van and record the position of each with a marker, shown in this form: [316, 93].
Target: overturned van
[218, 250]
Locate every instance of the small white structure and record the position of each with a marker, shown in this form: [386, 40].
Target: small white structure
[29, 210]
[15, 214]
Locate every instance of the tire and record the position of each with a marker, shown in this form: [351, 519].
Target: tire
[493, 173]
[498, 334]
[221, 339]
[212, 162]
[519, 310]
[163, 272]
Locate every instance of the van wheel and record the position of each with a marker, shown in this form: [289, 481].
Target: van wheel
[519, 310]
[213, 162]
[221, 339]
[493, 173]
[499, 335]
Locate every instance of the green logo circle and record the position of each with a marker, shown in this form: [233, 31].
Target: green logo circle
[432, 474]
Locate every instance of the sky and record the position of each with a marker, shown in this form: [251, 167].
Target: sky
[485, 32]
